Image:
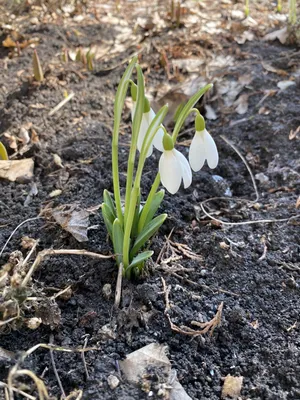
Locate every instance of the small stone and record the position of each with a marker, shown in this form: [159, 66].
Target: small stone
[203, 272]
[112, 381]
[34, 21]
[106, 290]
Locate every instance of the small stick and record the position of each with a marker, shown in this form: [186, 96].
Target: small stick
[54, 368]
[119, 286]
[51, 252]
[28, 396]
[61, 104]
[246, 164]
[83, 358]
[29, 254]
[164, 246]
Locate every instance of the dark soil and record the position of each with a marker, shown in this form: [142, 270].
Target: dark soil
[259, 335]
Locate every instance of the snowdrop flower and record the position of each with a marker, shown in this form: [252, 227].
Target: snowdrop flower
[173, 167]
[202, 147]
[147, 118]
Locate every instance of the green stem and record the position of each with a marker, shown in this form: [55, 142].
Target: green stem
[118, 106]
[151, 132]
[187, 108]
[135, 133]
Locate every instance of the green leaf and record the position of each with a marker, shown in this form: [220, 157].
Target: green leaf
[117, 238]
[108, 218]
[3, 152]
[140, 258]
[150, 229]
[109, 202]
[148, 214]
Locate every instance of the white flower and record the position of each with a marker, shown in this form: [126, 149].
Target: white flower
[173, 168]
[147, 118]
[203, 148]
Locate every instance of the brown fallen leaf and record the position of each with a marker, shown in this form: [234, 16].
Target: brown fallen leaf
[232, 386]
[281, 35]
[17, 170]
[136, 363]
[270, 68]
[242, 104]
[73, 220]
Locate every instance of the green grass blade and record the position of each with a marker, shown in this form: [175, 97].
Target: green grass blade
[140, 258]
[108, 218]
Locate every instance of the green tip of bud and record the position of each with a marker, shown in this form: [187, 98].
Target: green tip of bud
[168, 142]
[199, 123]
[146, 105]
[133, 91]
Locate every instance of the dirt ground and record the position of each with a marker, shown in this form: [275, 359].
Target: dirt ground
[250, 261]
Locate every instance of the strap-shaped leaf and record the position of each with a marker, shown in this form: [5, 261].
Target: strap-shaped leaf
[140, 258]
[150, 229]
[109, 202]
[108, 218]
[148, 214]
[3, 152]
[118, 238]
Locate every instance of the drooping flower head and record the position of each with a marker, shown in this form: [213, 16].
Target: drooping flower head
[147, 118]
[203, 147]
[173, 167]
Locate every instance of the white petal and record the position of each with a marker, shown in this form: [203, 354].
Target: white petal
[197, 152]
[211, 151]
[186, 172]
[170, 171]
[158, 140]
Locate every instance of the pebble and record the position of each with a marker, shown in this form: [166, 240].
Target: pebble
[113, 381]
[106, 290]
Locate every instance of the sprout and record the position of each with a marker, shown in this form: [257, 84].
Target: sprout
[132, 224]
[37, 68]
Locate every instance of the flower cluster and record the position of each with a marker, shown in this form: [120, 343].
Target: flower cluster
[132, 223]
[173, 166]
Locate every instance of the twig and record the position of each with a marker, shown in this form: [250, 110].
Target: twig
[28, 396]
[166, 291]
[61, 104]
[246, 164]
[164, 246]
[55, 370]
[119, 286]
[36, 242]
[83, 358]
[15, 230]
[51, 252]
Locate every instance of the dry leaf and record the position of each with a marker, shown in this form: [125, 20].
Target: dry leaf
[17, 170]
[55, 193]
[270, 68]
[73, 220]
[298, 202]
[232, 386]
[281, 35]
[136, 363]
[242, 104]
[246, 36]
[282, 85]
